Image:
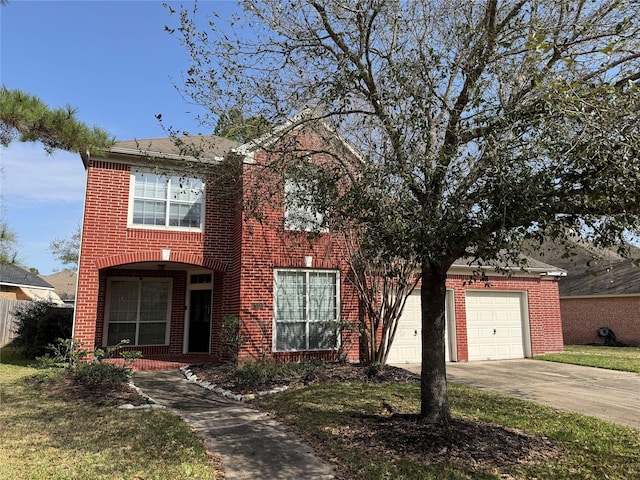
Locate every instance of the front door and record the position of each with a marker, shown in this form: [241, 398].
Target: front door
[199, 321]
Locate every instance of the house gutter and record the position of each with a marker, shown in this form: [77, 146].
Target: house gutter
[531, 271]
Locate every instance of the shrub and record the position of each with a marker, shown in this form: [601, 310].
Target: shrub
[40, 324]
[253, 374]
[232, 338]
[96, 374]
[100, 374]
[65, 352]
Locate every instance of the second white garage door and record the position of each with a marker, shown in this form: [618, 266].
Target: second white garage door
[495, 325]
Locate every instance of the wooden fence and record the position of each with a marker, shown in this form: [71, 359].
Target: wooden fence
[7, 320]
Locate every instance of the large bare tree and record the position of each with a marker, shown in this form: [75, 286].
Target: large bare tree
[477, 123]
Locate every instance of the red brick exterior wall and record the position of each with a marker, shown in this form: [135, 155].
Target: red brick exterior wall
[582, 317]
[545, 325]
[267, 246]
[242, 254]
[107, 242]
[242, 250]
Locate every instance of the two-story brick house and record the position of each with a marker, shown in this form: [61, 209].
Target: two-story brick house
[168, 252]
[170, 247]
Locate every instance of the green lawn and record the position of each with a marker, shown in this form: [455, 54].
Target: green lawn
[626, 359]
[327, 413]
[47, 438]
[42, 437]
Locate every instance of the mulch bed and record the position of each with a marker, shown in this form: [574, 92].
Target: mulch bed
[221, 375]
[67, 389]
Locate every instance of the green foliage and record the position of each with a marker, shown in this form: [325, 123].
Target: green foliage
[100, 354]
[40, 324]
[97, 373]
[232, 338]
[64, 352]
[252, 374]
[476, 124]
[67, 250]
[626, 359]
[100, 374]
[234, 126]
[256, 374]
[30, 120]
[8, 244]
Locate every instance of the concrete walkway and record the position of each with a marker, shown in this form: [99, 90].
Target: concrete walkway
[606, 394]
[250, 444]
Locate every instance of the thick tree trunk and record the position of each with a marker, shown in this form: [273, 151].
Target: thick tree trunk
[433, 384]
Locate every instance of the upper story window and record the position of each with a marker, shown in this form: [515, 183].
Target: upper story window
[166, 201]
[300, 212]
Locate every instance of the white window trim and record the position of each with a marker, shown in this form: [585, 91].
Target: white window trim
[134, 342]
[187, 311]
[275, 306]
[132, 190]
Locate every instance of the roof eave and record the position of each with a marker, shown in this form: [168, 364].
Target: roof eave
[162, 155]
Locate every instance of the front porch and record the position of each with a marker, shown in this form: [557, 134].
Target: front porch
[162, 362]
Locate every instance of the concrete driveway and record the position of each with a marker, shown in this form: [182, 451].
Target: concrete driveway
[606, 394]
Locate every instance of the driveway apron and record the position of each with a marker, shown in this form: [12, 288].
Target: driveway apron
[606, 394]
[250, 444]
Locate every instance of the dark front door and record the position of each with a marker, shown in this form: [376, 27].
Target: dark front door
[200, 320]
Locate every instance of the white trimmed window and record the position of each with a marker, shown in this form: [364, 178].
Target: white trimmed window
[307, 310]
[138, 311]
[166, 201]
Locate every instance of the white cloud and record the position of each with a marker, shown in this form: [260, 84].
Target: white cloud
[31, 175]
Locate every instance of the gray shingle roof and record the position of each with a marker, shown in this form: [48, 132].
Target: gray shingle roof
[532, 264]
[14, 275]
[207, 146]
[593, 270]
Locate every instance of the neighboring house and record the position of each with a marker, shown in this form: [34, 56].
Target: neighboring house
[16, 283]
[64, 284]
[167, 253]
[601, 291]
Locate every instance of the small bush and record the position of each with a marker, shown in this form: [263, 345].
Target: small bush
[256, 374]
[100, 374]
[374, 369]
[253, 374]
[232, 338]
[40, 324]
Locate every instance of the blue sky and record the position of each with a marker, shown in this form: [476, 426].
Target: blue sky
[114, 62]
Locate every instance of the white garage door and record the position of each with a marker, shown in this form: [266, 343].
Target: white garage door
[494, 325]
[407, 344]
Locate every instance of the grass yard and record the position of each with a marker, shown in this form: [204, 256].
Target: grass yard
[626, 359]
[44, 437]
[491, 437]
